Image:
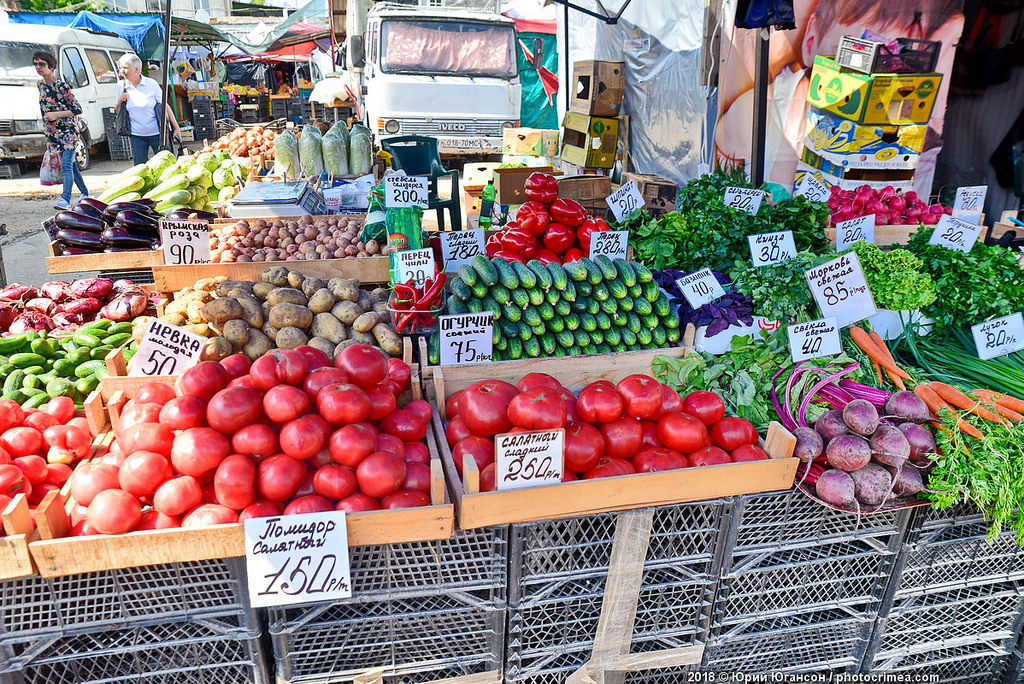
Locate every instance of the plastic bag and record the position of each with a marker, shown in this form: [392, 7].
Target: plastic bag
[311, 156]
[374, 227]
[50, 172]
[335, 151]
[360, 151]
[340, 128]
[286, 154]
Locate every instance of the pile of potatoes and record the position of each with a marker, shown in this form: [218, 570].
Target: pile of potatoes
[302, 238]
[285, 309]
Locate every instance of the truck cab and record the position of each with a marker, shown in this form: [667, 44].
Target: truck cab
[450, 74]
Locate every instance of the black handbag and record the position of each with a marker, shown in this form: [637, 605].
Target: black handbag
[123, 122]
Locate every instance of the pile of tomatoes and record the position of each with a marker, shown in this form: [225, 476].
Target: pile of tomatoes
[636, 426]
[288, 433]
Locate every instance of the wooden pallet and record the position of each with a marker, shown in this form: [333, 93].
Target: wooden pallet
[57, 262]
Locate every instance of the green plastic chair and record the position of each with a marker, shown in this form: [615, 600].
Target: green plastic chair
[417, 155]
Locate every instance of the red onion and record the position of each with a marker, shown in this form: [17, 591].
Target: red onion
[92, 287]
[125, 307]
[64, 320]
[19, 292]
[7, 315]
[85, 305]
[43, 305]
[57, 290]
[29, 321]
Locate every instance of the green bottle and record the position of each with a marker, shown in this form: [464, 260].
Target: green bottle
[487, 196]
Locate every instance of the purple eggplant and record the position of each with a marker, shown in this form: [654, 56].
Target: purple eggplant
[80, 238]
[136, 217]
[115, 237]
[148, 248]
[139, 229]
[88, 210]
[93, 202]
[72, 220]
[66, 250]
[116, 208]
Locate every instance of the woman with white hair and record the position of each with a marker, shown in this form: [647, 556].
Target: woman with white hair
[143, 98]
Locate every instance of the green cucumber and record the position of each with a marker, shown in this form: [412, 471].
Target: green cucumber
[559, 279]
[542, 273]
[480, 290]
[467, 274]
[526, 277]
[84, 339]
[506, 274]
[626, 272]
[501, 294]
[90, 368]
[607, 267]
[27, 359]
[485, 269]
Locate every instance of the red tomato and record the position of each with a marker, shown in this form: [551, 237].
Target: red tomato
[147, 437]
[584, 445]
[40, 420]
[481, 449]
[322, 377]
[113, 511]
[404, 424]
[137, 413]
[335, 481]
[484, 407]
[303, 437]
[416, 452]
[178, 495]
[599, 405]
[420, 408]
[357, 503]
[63, 408]
[365, 365]
[22, 441]
[537, 408]
[405, 498]
[342, 404]
[233, 408]
[732, 432]
[707, 407]
[681, 431]
[417, 477]
[609, 467]
[281, 366]
[208, 514]
[278, 477]
[199, 450]
[68, 443]
[571, 415]
[153, 393]
[382, 401]
[386, 442]
[711, 455]
[187, 411]
[456, 430]
[39, 492]
[671, 402]
[537, 380]
[650, 439]
[569, 476]
[622, 437]
[315, 358]
[451, 404]
[57, 474]
[235, 482]
[381, 473]
[657, 459]
[155, 520]
[606, 384]
[34, 468]
[114, 458]
[143, 472]
[284, 403]
[206, 378]
[79, 423]
[489, 477]
[642, 396]
[11, 414]
[236, 365]
[748, 452]
[87, 481]
[310, 503]
[13, 481]
[255, 440]
[352, 443]
[399, 374]
[243, 381]
[5, 457]
[82, 529]
[261, 509]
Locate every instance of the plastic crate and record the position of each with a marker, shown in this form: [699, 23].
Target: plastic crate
[119, 145]
[978, 663]
[913, 56]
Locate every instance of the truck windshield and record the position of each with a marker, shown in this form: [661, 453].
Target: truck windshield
[448, 47]
[16, 61]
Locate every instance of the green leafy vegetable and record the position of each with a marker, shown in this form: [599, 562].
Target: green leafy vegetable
[779, 291]
[895, 277]
[655, 242]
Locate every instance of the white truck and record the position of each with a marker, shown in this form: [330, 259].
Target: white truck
[441, 72]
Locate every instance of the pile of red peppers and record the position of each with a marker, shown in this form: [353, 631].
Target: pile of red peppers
[546, 228]
[415, 304]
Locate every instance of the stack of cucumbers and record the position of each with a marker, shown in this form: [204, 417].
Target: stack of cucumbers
[581, 307]
[34, 366]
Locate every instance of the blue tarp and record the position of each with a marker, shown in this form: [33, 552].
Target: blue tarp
[145, 32]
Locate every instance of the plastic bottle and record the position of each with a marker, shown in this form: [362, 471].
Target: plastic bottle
[487, 204]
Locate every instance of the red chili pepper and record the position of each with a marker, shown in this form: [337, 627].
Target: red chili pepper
[541, 187]
[588, 228]
[568, 212]
[406, 320]
[559, 238]
[533, 217]
[432, 291]
[405, 292]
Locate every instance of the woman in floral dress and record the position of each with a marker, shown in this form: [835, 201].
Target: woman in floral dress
[59, 108]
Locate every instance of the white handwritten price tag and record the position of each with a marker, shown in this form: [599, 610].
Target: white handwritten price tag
[999, 336]
[700, 288]
[297, 559]
[848, 232]
[405, 191]
[840, 290]
[813, 339]
[813, 189]
[166, 350]
[525, 459]
[744, 199]
[624, 200]
[611, 243]
[459, 246]
[969, 202]
[416, 265]
[466, 338]
[185, 242]
[954, 233]
[771, 248]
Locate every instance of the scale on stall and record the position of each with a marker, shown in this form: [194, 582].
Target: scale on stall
[284, 198]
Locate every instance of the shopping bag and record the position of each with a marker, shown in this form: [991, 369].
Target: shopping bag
[49, 171]
[122, 120]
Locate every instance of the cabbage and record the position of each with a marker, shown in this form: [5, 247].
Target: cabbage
[160, 161]
[311, 159]
[286, 154]
[221, 155]
[226, 193]
[222, 178]
[335, 149]
[228, 164]
[208, 161]
[360, 151]
[340, 128]
[186, 162]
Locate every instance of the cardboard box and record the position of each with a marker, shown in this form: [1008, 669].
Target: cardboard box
[589, 141]
[597, 87]
[851, 178]
[475, 175]
[872, 98]
[866, 146]
[585, 189]
[659, 193]
[511, 183]
[574, 170]
[530, 142]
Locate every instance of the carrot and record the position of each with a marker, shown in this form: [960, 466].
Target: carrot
[868, 346]
[963, 426]
[884, 349]
[1005, 400]
[896, 380]
[932, 400]
[1007, 413]
[878, 372]
[960, 400]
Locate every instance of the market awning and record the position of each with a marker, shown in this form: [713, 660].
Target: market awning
[144, 32]
[191, 32]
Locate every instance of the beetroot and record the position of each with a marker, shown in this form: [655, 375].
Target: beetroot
[836, 488]
[42, 305]
[830, 425]
[872, 484]
[848, 452]
[29, 321]
[83, 306]
[57, 290]
[809, 444]
[92, 287]
[906, 480]
[907, 406]
[7, 315]
[18, 292]
[861, 417]
[920, 440]
[889, 446]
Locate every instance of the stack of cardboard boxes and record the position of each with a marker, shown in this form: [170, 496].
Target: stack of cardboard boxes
[590, 129]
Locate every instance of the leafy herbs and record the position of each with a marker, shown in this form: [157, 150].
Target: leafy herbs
[732, 308]
[895, 277]
[655, 242]
[779, 291]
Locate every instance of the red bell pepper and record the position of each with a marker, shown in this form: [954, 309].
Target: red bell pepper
[589, 227]
[493, 245]
[519, 242]
[533, 217]
[546, 256]
[574, 254]
[559, 238]
[541, 187]
[569, 212]
[510, 257]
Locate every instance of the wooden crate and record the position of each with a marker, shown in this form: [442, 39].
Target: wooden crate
[373, 269]
[584, 497]
[56, 262]
[15, 559]
[886, 236]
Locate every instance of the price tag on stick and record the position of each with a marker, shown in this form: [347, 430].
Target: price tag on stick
[813, 339]
[297, 559]
[166, 350]
[416, 265]
[841, 291]
[185, 242]
[466, 338]
[525, 459]
[624, 200]
[459, 246]
[848, 232]
[405, 191]
[999, 336]
[746, 199]
[611, 243]
[700, 288]
[969, 202]
[813, 189]
[771, 248]
[955, 233]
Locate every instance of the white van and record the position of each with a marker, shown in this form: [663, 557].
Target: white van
[86, 60]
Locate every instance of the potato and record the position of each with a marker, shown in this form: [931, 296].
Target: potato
[347, 290]
[222, 310]
[365, 301]
[363, 338]
[174, 319]
[320, 301]
[381, 293]
[237, 332]
[252, 311]
[342, 345]
[280, 295]
[178, 306]
[380, 307]
[258, 345]
[347, 312]
[387, 340]
[290, 338]
[366, 322]
[194, 311]
[295, 279]
[261, 290]
[270, 331]
[275, 275]
[325, 325]
[209, 284]
[311, 285]
[333, 283]
[290, 315]
[326, 346]
[224, 289]
[199, 329]
[216, 348]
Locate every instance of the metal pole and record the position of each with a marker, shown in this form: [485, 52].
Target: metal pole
[567, 74]
[757, 170]
[166, 69]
